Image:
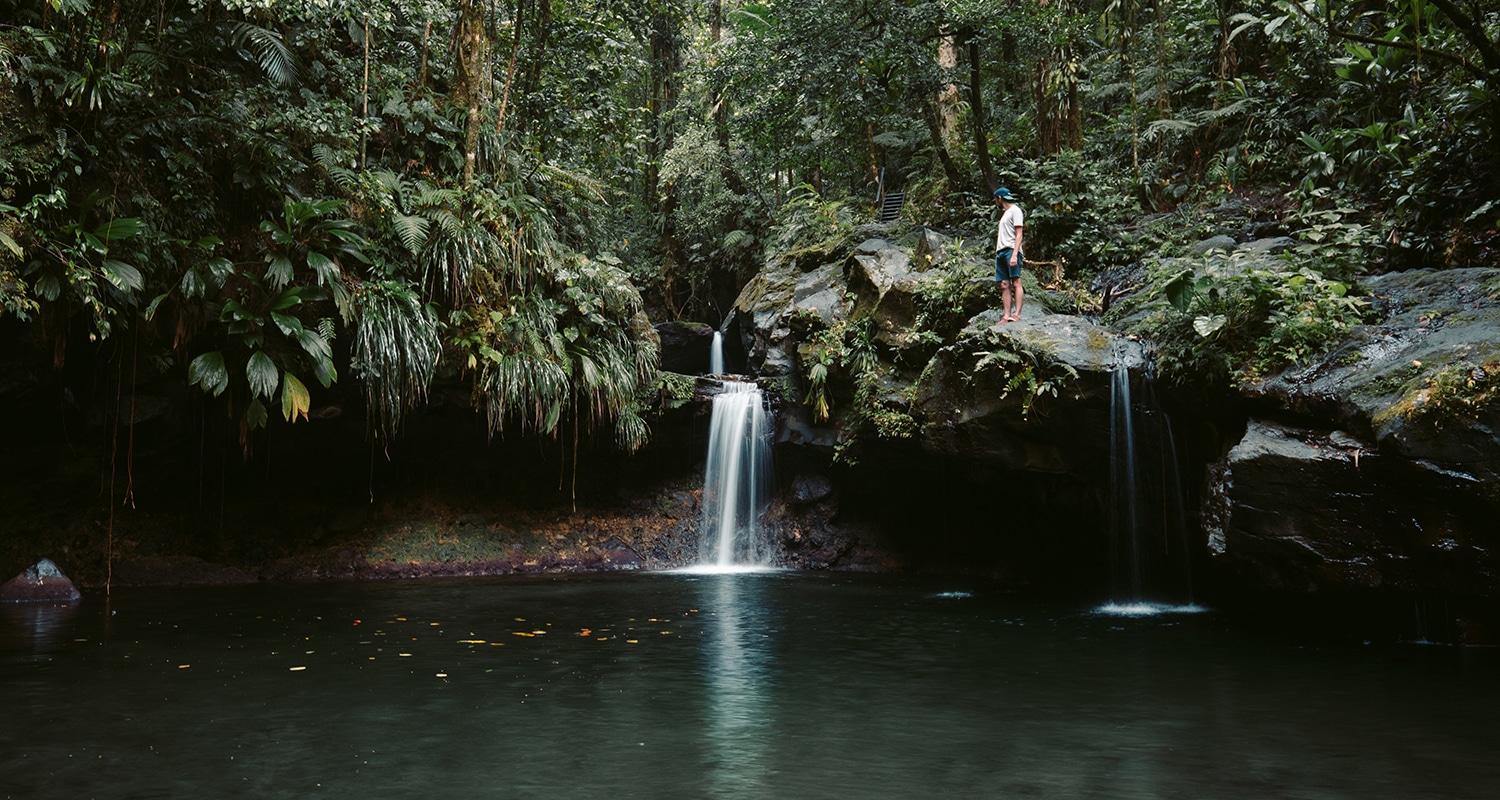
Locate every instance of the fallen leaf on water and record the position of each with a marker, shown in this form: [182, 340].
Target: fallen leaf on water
[442, 674]
[183, 666]
[520, 619]
[539, 632]
[603, 638]
[522, 633]
[434, 624]
[632, 641]
[296, 669]
[666, 633]
[471, 641]
[585, 632]
[404, 655]
[80, 640]
[400, 619]
[497, 644]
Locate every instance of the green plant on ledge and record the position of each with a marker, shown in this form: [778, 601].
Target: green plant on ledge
[842, 359]
[1458, 390]
[1241, 321]
[1024, 370]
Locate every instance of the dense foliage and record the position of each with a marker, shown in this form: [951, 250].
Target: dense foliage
[262, 198]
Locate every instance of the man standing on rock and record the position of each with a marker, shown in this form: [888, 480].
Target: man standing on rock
[1008, 255]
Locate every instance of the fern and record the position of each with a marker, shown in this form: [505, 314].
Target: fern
[270, 52]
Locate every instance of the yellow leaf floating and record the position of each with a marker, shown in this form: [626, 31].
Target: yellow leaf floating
[632, 641]
[542, 633]
[404, 655]
[183, 666]
[442, 674]
[296, 669]
[471, 641]
[522, 633]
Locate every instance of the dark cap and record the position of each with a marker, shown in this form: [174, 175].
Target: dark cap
[1004, 194]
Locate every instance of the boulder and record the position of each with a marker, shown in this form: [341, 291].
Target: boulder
[1220, 242]
[885, 288]
[932, 249]
[977, 416]
[685, 346]
[760, 322]
[1271, 246]
[1298, 510]
[1420, 381]
[41, 583]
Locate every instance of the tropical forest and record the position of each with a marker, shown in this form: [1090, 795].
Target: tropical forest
[322, 322]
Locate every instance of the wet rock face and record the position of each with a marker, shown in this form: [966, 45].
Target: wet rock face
[1400, 381]
[1302, 511]
[685, 346]
[42, 583]
[972, 416]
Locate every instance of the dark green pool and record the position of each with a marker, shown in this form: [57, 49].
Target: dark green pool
[714, 686]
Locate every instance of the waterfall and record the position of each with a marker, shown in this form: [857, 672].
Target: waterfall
[1148, 539]
[716, 355]
[736, 479]
[1124, 523]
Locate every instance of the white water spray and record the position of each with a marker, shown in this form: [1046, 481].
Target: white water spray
[716, 355]
[1124, 523]
[736, 481]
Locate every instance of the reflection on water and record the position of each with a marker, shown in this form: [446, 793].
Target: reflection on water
[739, 717]
[38, 627]
[778, 685]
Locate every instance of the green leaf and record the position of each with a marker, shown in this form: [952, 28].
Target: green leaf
[313, 343]
[1207, 326]
[262, 373]
[191, 284]
[288, 325]
[326, 269]
[122, 228]
[151, 309]
[287, 299]
[1179, 291]
[124, 277]
[255, 414]
[279, 271]
[326, 373]
[11, 245]
[208, 371]
[294, 398]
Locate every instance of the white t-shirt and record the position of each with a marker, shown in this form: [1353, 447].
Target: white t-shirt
[1013, 218]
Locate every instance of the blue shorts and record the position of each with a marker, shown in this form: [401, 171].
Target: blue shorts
[1003, 270]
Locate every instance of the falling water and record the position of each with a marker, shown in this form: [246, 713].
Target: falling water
[735, 481]
[1124, 528]
[716, 355]
[1135, 568]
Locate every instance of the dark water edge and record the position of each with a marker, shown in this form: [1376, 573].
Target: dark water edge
[669, 685]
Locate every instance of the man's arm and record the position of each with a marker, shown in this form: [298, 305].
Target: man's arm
[1016, 253]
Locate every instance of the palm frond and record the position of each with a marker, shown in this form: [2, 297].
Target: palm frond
[269, 51]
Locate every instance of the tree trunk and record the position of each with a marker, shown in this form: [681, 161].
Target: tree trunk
[517, 24]
[976, 112]
[935, 133]
[946, 101]
[469, 88]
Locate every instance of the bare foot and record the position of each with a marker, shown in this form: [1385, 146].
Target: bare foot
[1011, 319]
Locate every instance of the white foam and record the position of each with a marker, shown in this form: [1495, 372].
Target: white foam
[730, 569]
[1147, 609]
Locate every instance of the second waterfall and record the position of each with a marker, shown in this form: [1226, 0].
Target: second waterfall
[736, 482]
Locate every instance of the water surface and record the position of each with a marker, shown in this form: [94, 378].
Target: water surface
[767, 685]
